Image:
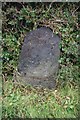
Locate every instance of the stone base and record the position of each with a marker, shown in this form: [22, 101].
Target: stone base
[46, 82]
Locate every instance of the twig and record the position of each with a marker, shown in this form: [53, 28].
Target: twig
[75, 10]
[60, 21]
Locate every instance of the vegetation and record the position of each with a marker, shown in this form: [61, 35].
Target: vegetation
[28, 102]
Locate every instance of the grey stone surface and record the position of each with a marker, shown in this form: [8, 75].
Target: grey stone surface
[38, 61]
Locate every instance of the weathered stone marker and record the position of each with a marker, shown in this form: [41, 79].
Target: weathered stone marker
[38, 62]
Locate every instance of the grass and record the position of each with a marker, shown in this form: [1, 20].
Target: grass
[25, 101]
